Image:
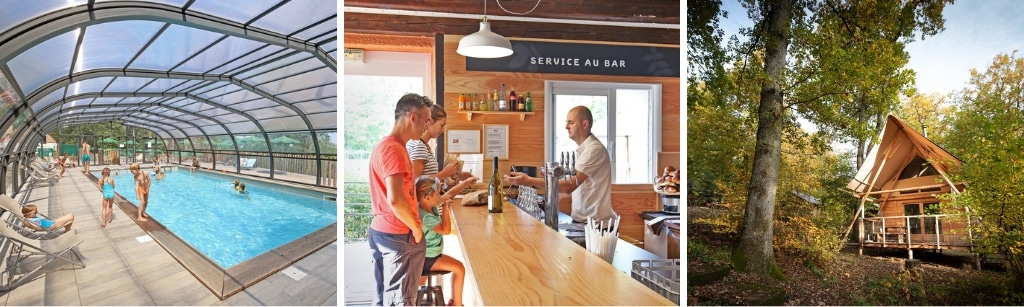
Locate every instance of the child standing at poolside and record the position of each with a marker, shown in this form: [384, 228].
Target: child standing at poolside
[106, 185]
[30, 213]
[141, 190]
[428, 195]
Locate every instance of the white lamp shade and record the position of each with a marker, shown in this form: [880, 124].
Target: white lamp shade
[485, 44]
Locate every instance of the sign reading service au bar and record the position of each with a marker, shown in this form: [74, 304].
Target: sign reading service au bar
[583, 59]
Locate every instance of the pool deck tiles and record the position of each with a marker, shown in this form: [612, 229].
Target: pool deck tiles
[120, 270]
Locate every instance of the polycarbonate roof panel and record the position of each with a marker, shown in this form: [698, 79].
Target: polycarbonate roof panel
[266, 52]
[285, 62]
[245, 127]
[113, 44]
[177, 3]
[238, 97]
[44, 62]
[239, 10]
[16, 12]
[224, 51]
[293, 69]
[161, 85]
[217, 89]
[290, 123]
[107, 101]
[193, 79]
[128, 84]
[174, 46]
[94, 85]
[49, 98]
[317, 93]
[318, 30]
[324, 120]
[186, 85]
[331, 46]
[192, 131]
[271, 112]
[213, 129]
[318, 106]
[295, 15]
[300, 82]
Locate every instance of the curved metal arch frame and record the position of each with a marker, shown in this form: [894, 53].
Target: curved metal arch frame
[266, 137]
[147, 127]
[29, 33]
[99, 73]
[57, 103]
[25, 35]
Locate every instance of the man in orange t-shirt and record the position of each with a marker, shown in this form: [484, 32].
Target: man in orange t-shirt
[396, 234]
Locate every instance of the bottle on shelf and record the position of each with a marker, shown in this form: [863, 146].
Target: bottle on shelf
[462, 102]
[512, 99]
[484, 107]
[494, 101]
[521, 105]
[481, 99]
[494, 189]
[529, 103]
[502, 103]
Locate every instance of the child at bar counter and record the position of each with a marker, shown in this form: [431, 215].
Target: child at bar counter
[435, 224]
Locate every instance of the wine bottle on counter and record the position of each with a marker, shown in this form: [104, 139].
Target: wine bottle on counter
[494, 189]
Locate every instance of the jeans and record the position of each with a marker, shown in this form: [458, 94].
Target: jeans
[397, 271]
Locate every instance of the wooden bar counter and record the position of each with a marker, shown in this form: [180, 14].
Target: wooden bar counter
[512, 258]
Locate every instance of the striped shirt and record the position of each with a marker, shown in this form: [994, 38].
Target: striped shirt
[419, 151]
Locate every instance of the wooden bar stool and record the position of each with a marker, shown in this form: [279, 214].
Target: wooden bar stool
[431, 295]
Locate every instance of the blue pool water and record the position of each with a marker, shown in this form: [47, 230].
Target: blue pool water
[228, 227]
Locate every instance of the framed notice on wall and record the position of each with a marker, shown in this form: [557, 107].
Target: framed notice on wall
[496, 141]
[462, 141]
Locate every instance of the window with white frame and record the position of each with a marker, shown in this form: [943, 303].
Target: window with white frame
[627, 121]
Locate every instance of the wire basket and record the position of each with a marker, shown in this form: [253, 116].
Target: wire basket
[661, 275]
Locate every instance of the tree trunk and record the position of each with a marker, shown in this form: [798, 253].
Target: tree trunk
[754, 252]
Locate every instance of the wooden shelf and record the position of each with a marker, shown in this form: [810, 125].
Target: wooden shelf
[522, 115]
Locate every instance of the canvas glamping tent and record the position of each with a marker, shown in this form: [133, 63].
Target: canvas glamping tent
[902, 175]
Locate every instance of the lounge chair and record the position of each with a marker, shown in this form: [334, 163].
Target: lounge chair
[20, 224]
[19, 269]
[38, 177]
[248, 163]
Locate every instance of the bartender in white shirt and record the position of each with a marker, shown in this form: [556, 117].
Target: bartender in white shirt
[592, 188]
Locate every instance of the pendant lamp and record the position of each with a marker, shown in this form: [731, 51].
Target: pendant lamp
[484, 43]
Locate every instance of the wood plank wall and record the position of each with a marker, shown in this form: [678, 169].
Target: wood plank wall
[526, 137]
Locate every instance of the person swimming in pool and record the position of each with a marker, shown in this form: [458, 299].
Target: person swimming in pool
[29, 211]
[241, 188]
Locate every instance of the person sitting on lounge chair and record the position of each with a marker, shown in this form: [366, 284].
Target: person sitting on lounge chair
[29, 211]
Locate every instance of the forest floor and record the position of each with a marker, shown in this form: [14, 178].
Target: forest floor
[875, 278]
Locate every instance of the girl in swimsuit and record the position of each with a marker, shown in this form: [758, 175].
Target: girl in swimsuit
[65, 221]
[106, 185]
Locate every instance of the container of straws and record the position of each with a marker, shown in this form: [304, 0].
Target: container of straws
[601, 237]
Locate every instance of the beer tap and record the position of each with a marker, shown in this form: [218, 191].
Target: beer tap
[554, 171]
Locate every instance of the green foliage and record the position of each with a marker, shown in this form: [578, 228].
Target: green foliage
[699, 250]
[989, 129]
[357, 207]
[907, 289]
